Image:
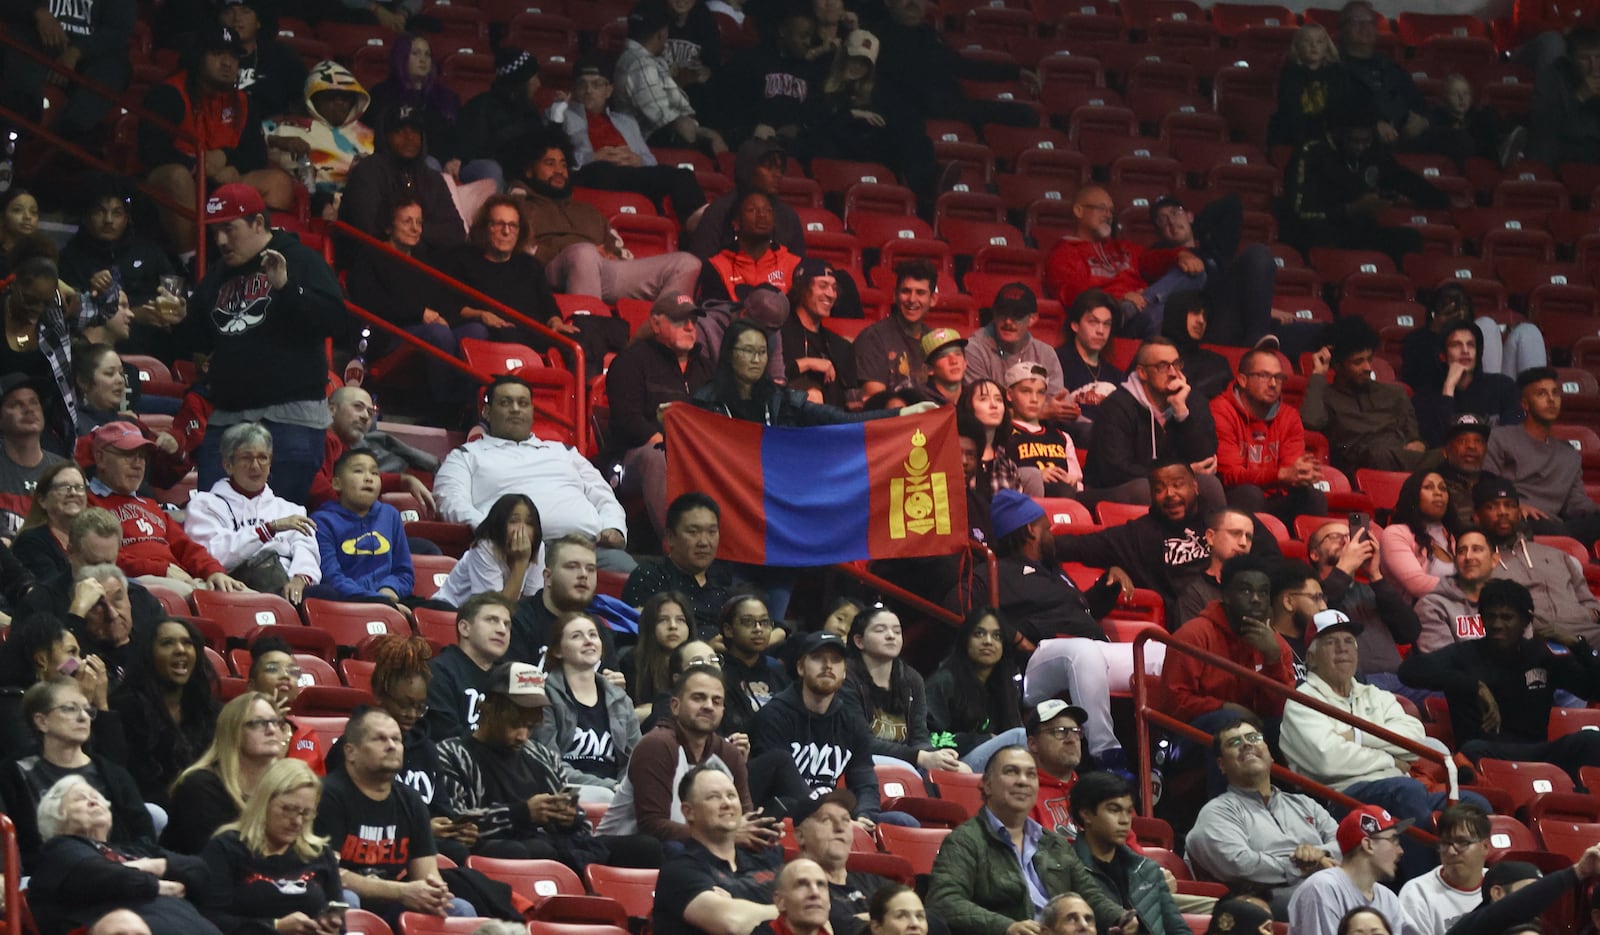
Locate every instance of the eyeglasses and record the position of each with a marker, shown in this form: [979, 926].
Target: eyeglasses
[1278, 378]
[253, 459]
[1234, 743]
[712, 660]
[1164, 366]
[417, 708]
[278, 668]
[1316, 597]
[505, 225]
[70, 488]
[754, 353]
[1062, 733]
[74, 710]
[1458, 845]
[755, 623]
[265, 723]
[295, 811]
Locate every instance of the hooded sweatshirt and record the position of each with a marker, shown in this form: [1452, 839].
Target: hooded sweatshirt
[333, 148]
[1077, 264]
[140, 262]
[1561, 595]
[1190, 687]
[1207, 371]
[1156, 552]
[1250, 450]
[151, 539]
[1130, 434]
[715, 231]
[374, 182]
[234, 526]
[362, 555]
[1448, 616]
[825, 747]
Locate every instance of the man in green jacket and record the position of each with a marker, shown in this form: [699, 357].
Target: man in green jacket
[997, 870]
[1102, 807]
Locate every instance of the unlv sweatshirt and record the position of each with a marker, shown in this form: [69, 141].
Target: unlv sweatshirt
[151, 539]
[824, 747]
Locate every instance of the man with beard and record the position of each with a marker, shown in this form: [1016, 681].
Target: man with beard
[827, 738]
[1563, 604]
[1546, 470]
[398, 168]
[1368, 424]
[1465, 445]
[1501, 688]
[808, 347]
[106, 248]
[1369, 838]
[690, 566]
[581, 254]
[1296, 597]
[1450, 613]
[265, 312]
[570, 576]
[1237, 628]
[1381, 609]
[1261, 444]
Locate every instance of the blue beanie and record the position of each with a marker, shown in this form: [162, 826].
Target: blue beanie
[1010, 511]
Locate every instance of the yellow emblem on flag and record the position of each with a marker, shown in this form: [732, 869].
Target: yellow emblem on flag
[919, 502]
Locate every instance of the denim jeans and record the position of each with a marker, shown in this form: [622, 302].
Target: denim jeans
[297, 455]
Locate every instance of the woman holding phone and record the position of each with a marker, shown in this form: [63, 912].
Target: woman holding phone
[270, 872]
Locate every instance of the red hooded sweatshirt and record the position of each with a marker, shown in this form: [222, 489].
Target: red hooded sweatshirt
[1251, 450]
[1112, 265]
[1192, 687]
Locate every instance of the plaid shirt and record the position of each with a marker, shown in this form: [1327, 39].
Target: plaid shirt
[646, 91]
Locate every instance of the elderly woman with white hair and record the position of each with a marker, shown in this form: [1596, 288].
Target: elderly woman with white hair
[262, 539]
[79, 876]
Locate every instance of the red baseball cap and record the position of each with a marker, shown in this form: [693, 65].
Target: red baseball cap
[1365, 822]
[123, 436]
[233, 200]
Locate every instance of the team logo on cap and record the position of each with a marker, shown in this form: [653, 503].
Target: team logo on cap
[213, 206]
[1370, 824]
[526, 679]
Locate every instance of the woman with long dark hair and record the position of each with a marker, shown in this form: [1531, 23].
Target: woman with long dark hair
[39, 647]
[983, 411]
[168, 704]
[891, 695]
[975, 699]
[1417, 547]
[507, 554]
[665, 622]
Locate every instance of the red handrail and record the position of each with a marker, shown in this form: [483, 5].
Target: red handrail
[1145, 715]
[577, 420]
[13, 882]
[16, 45]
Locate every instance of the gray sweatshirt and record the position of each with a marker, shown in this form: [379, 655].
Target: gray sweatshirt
[1548, 474]
[1447, 616]
[1555, 579]
[1240, 836]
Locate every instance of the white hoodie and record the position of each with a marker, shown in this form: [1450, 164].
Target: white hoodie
[1314, 744]
[233, 527]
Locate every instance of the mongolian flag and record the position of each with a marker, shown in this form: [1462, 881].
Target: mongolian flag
[889, 488]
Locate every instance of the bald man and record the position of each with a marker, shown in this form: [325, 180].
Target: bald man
[353, 415]
[801, 898]
[120, 922]
[1092, 257]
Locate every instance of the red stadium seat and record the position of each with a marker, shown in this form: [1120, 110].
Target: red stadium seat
[362, 922]
[431, 572]
[351, 623]
[1523, 780]
[238, 613]
[1567, 838]
[918, 846]
[1115, 514]
[416, 923]
[633, 889]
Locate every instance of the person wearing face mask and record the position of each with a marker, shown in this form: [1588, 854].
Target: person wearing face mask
[1449, 613]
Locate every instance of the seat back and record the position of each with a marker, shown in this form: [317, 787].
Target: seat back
[919, 846]
[1523, 780]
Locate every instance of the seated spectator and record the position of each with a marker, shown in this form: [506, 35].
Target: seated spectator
[397, 169]
[823, 830]
[1008, 340]
[1500, 687]
[102, 388]
[920, 65]
[270, 72]
[1151, 419]
[1102, 806]
[808, 347]
[1069, 914]
[380, 828]
[945, 352]
[759, 166]
[88, 41]
[1461, 131]
[275, 673]
[1228, 533]
[496, 261]
[322, 146]
[38, 340]
[251, 736]
[1310, 84]
[1337, 186]
[1515, 893]
[647, 799]
[690, 565]
[1466, 445]
[1088, 377]
[107, 250]
[1546, 471]
[361, 540]
[1422, 357]
[1381, 609]
[1437, 900]
[1368, 424]
[79, 876]
[154, 545]
[507, 555]
[415, 86]
[265, 313]
[515, 787]
[351, 414]
[18, 222]
[1416, 550]
[974, 704]
[1035, 445]
[23, 458]
[1296, 599]
[694, 49]
[1253, 833]
[591, 725]
[570, 494]
[1466, 388]
[581, 254]
[1092, 257]
[982, 412]
[1000, 867]
[716, 886]
[666, 621]
[1386, 85]
[1209, 372]
[269, 867]
[410, 298]
[460, 673]
[267, 542]
[646, 89]
[1449, 613]
[1055, 738]
[753, 677]
[1361, 765]
[491, 123]
[39, 647]
[889, 352]
[1369, 838]
[570, 576]
[61, 717]
[1239, 280]
[609, 151]
[1562, 125]
[206, 101]
[1236, 628]
[1261, 451]
[168, 705]
[754, 258]
[890, 695]
[791, 73]
[1563, 603]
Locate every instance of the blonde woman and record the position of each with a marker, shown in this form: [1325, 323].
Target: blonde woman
[251, 736]
[269, 870]
[1310, 86]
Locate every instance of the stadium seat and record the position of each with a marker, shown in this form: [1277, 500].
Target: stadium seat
[1065, 164]
[646, 235]
[966, 206]
[1508, 835]
[838, 175]
[968, 237]
[898, 250]
[875, 230]
[543, 34]
[356, 673]
[633, 889]
[1382, 486]
[1066, 515]
[958, 787]
[918, 846]
[300, 639]
[238, 613]
[1115, 514]
[1568, 838]
[351, 623]
[498, 357]
[417, 923]
[1233, 18]
[1523, 780]
[431, 572]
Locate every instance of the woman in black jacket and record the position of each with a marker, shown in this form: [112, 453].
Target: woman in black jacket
[270, 872]
[974, 701]
[251, 736]
[168, 704]
[891, 695]
[80, 875]
[38, 648]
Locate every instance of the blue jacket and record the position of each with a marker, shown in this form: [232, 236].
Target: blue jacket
[362, 554]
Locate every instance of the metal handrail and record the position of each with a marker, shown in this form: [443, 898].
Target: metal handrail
[579, 421]
[16, 45]
[13, 881]
[917, 602]
[1145, 715]
[394, 330]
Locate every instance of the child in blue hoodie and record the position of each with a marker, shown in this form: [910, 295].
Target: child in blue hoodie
[365, 556]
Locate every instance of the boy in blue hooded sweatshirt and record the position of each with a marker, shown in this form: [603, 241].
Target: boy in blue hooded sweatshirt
[365, 556]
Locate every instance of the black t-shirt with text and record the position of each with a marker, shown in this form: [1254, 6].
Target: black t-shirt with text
[374, 839]
[591, 749]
